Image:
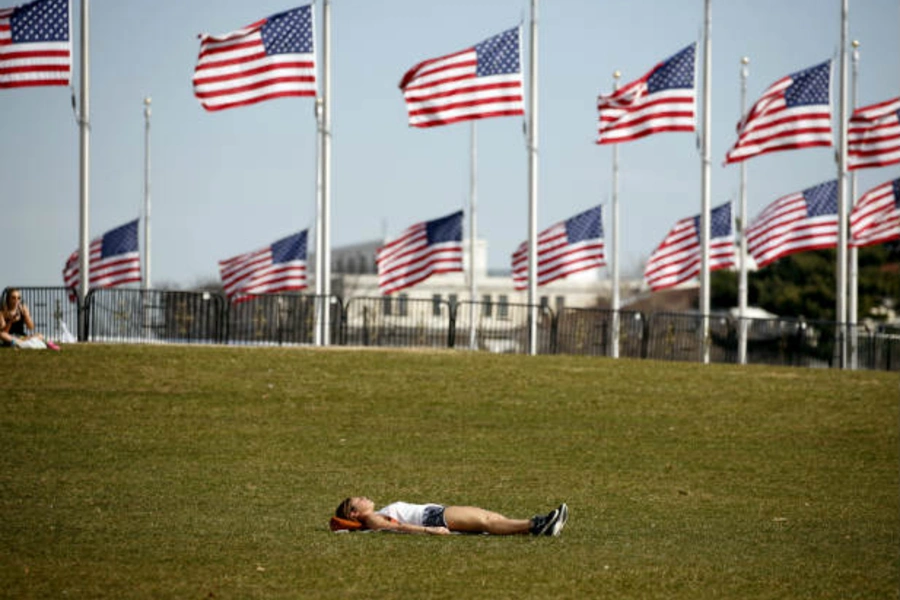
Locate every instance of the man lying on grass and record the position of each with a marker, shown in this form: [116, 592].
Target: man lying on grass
[358, 513]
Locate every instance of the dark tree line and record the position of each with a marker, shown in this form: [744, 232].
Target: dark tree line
[804, 284]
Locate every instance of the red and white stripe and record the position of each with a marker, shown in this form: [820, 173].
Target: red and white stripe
[784, 228]
[632, 111]
[446, 90]
[677, 258]
[771, 125]
[876, 217]
[557, 258]
[111, 271]
[410, 259]
[32, 64]
[234, 70]
[873, 135]
[254, 273]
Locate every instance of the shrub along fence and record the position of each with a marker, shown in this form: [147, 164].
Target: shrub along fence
[159, 316]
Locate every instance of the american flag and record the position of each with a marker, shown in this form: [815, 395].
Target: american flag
[797, 222]
[661, 100]
[423, 250]
[795, 112]
[876, 217]
[272, 58]
[113, 260]
[568, 247]
[280, 267]
[677, 259]
[34, 44]
[873, 135]
[478, 82]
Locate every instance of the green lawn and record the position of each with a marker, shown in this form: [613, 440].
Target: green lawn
[210, 472]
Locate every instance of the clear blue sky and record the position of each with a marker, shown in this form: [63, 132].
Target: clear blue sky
[229, 182]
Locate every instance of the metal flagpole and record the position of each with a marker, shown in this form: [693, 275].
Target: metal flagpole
[473, 286]
[147, 280]
[841, 292]
[326, 168]
[321, 305]
[146, 314]
[614, 301]
[742, 280]
[853, 283]
[84, 171]
[532, 183]
[706, 162]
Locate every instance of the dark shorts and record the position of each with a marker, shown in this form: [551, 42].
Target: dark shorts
[434, 517]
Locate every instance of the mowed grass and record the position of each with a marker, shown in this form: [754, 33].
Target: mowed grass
[210, 472]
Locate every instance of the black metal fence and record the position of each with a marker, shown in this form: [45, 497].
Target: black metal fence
[397, 322]
[149, 316]
[159, 316]
[275, 319]
[503, 327]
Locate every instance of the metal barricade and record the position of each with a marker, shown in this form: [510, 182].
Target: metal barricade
[672, 336]
[790, 342]
[160, 316]
[588, 331]
[274, 319]
[504, 328]
[879, 349]
[398, 322]
[125, 315]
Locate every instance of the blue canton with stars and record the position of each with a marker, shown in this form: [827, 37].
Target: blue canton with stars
[809, 86]
[120, 240]
[289, 32]
[821, 200]
[40, 21]
[290, 248]
[585, 226]
[445, 229]
[719, 223]
[676, 72]
[896, 186]
[498, 55]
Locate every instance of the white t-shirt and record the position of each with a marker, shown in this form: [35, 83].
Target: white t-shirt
[404, 512]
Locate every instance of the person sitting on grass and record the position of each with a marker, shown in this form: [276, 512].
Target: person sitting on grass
[358, 513]
[16, 322]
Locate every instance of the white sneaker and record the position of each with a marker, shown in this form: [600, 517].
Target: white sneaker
[560, 523]
[543, 524]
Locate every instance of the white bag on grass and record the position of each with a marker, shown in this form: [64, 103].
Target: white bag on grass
[31, 344]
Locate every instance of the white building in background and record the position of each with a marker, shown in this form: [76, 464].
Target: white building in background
[355, 274]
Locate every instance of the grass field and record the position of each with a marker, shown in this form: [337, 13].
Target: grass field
[204, 472]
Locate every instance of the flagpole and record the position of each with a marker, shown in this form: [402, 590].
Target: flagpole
[473, 287]
[84, 172]
[614, 217]
[852, 289]
[841, 292]
[742, 281]
[147, 280]
[532, 182]
[326, 168]
[706, 170]
[321, 305]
